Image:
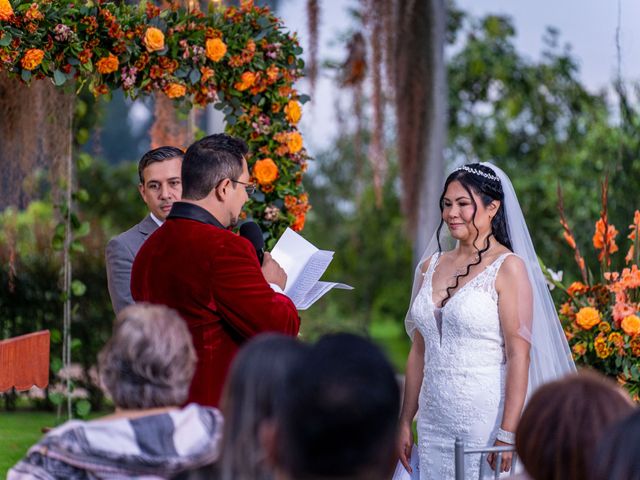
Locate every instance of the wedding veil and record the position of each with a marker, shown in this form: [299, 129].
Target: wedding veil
[550, 355]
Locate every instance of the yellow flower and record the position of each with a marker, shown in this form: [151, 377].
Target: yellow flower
[600, 346]
[588, 317]
[293, 111]
[294, 142]
[32, 58]
[246, 81]
[579, 349]
[175, 90]
[215, 49]
[616, 339]
[265, 171]
[634, 344]
[631, 325]
[154, 39]
[6, 11]
[108, 64]
[604, 327]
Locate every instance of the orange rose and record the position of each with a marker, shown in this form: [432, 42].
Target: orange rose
[265, 171]
[32, 58]
[6, 11]
[215, 49]
[175, 90]
[246, 81]
[108, 64]
[293, 111]
[588, 317]
[631, 325]
[153, 39]
[294, 142]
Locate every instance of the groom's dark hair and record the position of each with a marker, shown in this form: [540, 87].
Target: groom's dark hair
[338, 417]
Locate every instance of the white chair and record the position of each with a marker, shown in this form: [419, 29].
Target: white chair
[461, 451]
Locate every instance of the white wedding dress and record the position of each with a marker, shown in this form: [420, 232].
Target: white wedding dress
[463, 386]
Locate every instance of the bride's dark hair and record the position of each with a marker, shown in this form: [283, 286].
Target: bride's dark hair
[488, 187]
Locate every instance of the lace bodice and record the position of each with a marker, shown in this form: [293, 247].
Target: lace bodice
[462, 391]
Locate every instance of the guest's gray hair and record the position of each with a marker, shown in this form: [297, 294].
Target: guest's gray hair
[150, 359]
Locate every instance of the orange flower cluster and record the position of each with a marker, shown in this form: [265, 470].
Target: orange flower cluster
[265, 171]
[245, 56]
[588, 317]
[175, 90]
[247, 80]
[34, 14]
[577, 288]
[32, 59]
[605, 242]
[601, 348]
[6, 11]
[153, 39]
[215, 49]
[293, 112]
[108, 64]
[298, 207]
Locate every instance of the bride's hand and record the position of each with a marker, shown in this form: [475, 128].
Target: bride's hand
[405, 440]
[507, 458]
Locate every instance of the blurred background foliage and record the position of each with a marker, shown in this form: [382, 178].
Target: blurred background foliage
[534, 118]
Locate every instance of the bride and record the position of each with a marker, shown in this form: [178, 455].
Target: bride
[484, 328]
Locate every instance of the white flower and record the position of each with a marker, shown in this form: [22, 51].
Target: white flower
[555, 276]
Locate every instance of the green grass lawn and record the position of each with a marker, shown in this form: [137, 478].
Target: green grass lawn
[21, 429]
[18, 431]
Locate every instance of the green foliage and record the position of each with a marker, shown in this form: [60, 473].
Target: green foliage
[372, 252]
[538, 122]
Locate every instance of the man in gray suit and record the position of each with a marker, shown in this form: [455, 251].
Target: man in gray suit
[160, 186]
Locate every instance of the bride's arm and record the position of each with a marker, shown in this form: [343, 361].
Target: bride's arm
[412, 384]
[515, 306]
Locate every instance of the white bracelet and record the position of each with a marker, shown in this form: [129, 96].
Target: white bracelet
[506, 437]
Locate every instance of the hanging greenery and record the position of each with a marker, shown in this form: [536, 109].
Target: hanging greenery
[240, 59]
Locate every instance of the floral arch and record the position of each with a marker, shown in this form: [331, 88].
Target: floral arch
[240, 59]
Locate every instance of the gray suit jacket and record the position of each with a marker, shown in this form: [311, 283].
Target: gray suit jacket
[120, 252]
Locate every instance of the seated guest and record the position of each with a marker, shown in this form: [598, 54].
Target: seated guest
[256, 377]
[147, 367]
[338, 416]
[618, 453]
[563, 422]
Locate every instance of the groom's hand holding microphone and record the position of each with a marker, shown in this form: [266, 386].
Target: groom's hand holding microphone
[272, 271]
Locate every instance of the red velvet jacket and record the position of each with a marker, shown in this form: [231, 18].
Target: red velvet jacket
[213, 278]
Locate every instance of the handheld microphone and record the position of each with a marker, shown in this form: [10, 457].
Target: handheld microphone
[251, 231]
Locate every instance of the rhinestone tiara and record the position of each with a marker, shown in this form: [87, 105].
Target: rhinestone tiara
[479, 172]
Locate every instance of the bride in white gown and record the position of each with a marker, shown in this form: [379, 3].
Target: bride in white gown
[483, 326]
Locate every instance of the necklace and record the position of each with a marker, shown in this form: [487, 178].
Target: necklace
[462, 270]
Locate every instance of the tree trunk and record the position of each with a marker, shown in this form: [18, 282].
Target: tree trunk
[34, 131]
[421, 111]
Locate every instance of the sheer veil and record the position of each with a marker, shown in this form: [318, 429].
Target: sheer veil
[550, 354]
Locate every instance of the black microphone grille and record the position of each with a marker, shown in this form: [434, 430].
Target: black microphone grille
[251, 231]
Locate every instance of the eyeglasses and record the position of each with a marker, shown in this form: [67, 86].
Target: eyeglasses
[250, 188]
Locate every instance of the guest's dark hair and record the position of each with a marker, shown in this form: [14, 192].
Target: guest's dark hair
[209, 161]
[338, 417]
[617, 456]
[157, 155]
[258, 375]
[564, 421]
[483, 181]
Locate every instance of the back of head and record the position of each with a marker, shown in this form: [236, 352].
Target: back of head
[563, 422]
[618, 454]
[209, 161]
[257, 376]
[339, 417]
[159, 154]
[149, 361]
